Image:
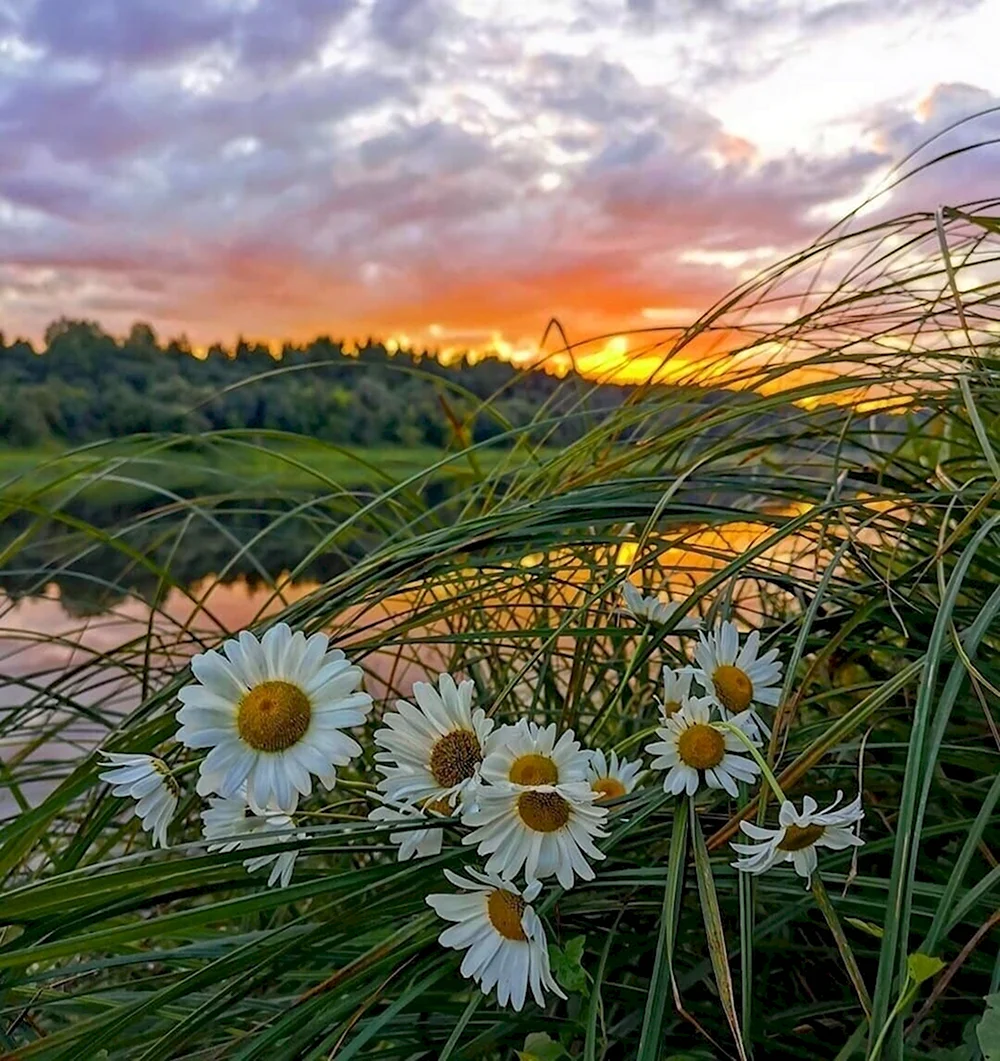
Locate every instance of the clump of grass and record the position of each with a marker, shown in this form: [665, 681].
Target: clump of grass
[860, 539]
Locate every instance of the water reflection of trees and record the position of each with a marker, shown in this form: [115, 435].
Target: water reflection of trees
[95, 556]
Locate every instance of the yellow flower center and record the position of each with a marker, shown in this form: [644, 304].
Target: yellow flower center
[505, 910]
[671, 707]
[799, 837]
[439, 806]
[455, 757]
[273, 716]
[733, 688]
[543, 812]
[533, 770]
[701, 746]
[607, 788]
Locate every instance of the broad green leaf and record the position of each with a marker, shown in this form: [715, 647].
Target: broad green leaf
[988, 1029]
[922, 967]
[567, 965]
[538, 1046]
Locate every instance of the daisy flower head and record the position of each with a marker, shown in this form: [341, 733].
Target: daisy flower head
[676, 689]
[150, 783]
[737, 677]
[528, 755]
[227, 822]
[611, 777]
[798, 835]
[413, 841]
[693, 749]
[653, 609]
[273, 713]
[547, 829]
[432, 750]
[502, 936]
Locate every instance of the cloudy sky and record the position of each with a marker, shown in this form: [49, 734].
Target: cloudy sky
[457, 171]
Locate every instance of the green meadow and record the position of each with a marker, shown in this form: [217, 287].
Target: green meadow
[200, 466]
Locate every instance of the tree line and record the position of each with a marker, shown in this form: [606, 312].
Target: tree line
[85, 384]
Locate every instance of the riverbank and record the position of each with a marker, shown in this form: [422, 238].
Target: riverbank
[125, 470]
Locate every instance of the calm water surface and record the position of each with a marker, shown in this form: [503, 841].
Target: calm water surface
[51, 657]
[54, 670]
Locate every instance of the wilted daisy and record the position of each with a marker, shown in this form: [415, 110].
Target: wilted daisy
[150, 783]
[413, 841]
[798, 835]
[434, 749]
[230, 820]
[503, 938]
[548, 829]
[676, 689]
[529, 754]
[611, 777]
[692, 749]
[272, 712]
[653, 609]
[737, 677]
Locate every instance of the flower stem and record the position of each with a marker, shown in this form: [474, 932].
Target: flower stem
[757, 757]
[846, 954]
[880, 1041]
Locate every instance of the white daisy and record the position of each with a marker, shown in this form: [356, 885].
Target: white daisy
[503, 938]
[737, 677]
[272, 712]
[229, 819]
[547, 829]
[433, 750]
[798, 836]
[527, 754]
[150, 783]
[676, 689]
[654, 609]
[611, 777]
[413, 841]
[693, 749]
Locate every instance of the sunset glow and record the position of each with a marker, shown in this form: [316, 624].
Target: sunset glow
[453, 175]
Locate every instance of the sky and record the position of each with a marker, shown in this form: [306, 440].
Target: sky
[455, 173]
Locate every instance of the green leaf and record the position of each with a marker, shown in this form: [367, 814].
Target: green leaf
[988, 1029]
[662, 979]
[922, 967]
[538, 1046]
[567, 964]
[866, 926]
[714, 934]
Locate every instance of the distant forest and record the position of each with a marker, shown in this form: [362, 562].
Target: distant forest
[87, 385]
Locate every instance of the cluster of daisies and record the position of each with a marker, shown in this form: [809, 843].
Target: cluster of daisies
[272, 715]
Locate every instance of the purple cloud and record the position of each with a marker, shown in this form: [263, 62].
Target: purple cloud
[282, 33]
[405, 25]
[133, 32]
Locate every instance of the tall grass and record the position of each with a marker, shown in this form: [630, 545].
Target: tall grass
[861, 537]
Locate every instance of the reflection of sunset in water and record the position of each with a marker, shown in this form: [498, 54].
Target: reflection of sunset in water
[478, 620]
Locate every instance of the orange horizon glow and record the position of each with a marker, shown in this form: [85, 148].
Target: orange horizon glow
[711, 359]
